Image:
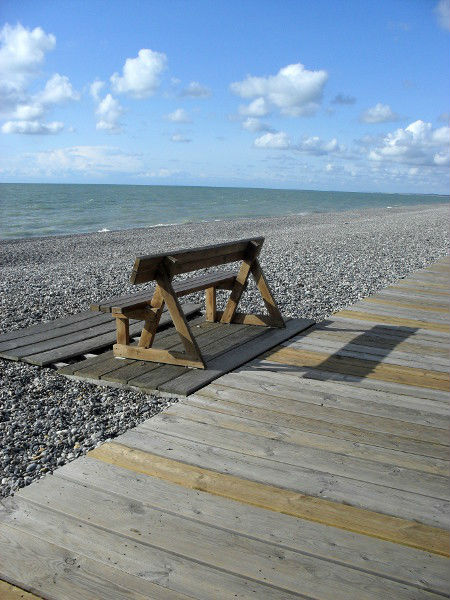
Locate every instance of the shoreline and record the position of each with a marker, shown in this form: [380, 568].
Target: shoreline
[316, 264]
[306, 215]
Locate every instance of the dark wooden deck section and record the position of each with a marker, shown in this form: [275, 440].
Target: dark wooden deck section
[71, 337]
[224, 347]
[319, 470]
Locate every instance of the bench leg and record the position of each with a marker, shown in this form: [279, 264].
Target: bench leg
[211, 310]
[152, 322]
[123, 330]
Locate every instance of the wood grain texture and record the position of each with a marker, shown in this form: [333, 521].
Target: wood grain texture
[409, 533]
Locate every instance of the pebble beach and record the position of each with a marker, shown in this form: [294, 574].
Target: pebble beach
[316, 265]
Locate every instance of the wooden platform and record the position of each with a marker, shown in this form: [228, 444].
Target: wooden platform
[224, 347]
[318, 470]
[71, 337]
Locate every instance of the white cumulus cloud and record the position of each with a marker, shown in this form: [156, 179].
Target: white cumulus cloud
[380, 113]
[109, 112]
[257, 108]
[57, 89]
[141, 75]
[318, 147]
[179, 116]
[417, 144]
[442, 11]
[279, 140]
[22, 52]
[254, 125]
[294, 90]
[32, 127]
[95, 89]
[196, 90]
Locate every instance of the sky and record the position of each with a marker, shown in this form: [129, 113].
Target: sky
[350, 95]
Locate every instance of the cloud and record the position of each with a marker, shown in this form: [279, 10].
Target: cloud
[380, 113]
[141, 75]
[313, 145]
[279, 140]
[417, 144]
[58, 89]
[180, 139]
[318, 147]
[95, 88]
[109, 112]
[196, 90]
[442, 10]
[22, 52]
[254, 125]
[88, 160]
[28, 112]
[179, 116]
[32, 127]
[342, 99]
[257, 108]
[294, 90]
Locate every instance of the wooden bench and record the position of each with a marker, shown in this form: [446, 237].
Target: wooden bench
[162, 268]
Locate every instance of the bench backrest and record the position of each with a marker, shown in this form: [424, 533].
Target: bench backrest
[184, 261]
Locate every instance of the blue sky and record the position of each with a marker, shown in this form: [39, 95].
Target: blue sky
[331, 95]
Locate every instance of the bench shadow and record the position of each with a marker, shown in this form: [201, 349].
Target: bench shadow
[359, 357]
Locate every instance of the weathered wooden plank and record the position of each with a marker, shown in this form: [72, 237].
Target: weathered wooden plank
[380, 355]
[355, 381]
[327, 412]
[188, 383]
[361, 368]
[55, 572]
[286, 387]
[340, 395]
[415, 323]
[48, 325]
[274, 431]
[259, 409]
[256, 488]
[409, 304]
[12, 592]
[162, 573]
[320, 461]
[73, 349]
[212, 545]
[392, 561]
[374, 497]
[56, 332]
[434, 318]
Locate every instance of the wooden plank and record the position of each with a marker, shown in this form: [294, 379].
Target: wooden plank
[211, 309]
[162, 574]
[330, 397]
[434, 318]
[25, 339]
[212, 545]
[74, 349]
[274, 431]
[48, 325]
[56, 572]
[359, 494]
[361, 368]
[371, 353]
[240, 283]
[188, 383]
[266, 293]
[340, 395]
[419, 324]
[320, 461]
[412, 304]
[277, 499]
[259, 409]
[391, 561]
[11, 592]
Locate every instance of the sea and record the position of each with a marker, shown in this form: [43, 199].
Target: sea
[36, 210]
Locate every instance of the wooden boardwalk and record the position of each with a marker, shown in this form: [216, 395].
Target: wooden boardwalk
[318, 470]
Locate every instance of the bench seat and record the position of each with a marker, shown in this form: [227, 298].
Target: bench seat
[220, 279]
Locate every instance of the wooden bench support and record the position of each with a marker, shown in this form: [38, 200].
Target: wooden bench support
[162, 269]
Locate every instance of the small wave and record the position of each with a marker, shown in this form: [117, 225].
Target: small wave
[104, 230]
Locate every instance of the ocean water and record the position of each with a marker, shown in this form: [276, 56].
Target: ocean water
[32, 210]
